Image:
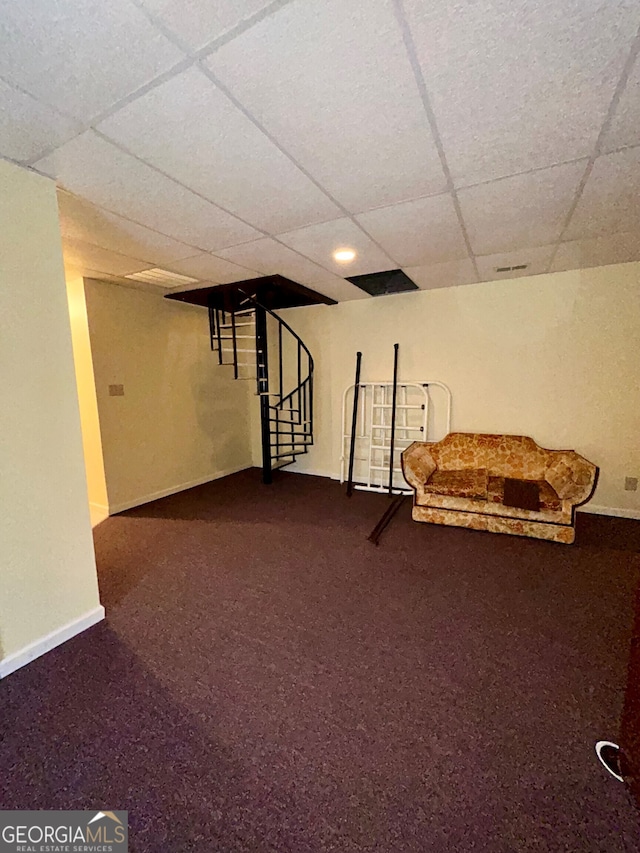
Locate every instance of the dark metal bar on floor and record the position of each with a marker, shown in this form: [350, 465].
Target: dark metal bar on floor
[388, 514]
[354, 424]
[394, 401]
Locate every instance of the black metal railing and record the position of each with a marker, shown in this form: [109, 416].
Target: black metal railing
[286, 415]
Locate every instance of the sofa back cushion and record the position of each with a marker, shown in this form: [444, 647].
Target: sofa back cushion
[516, 456]
[571, 475]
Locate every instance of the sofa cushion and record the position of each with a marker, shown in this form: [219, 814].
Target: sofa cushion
[465, 483]
[549, 499]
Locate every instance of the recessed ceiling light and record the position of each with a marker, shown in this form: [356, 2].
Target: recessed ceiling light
[344, 256]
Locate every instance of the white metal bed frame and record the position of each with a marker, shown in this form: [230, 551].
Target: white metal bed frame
[373, 434]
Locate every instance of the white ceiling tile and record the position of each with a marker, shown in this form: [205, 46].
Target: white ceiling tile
[207, 267]
[271, 258]
[85, 256]
[449, 274]
[132, 284]
[95, 169]
[338, 289]
[189, 129]
[81, 220]
[420, 232]
[261, 255]
[516, 84]
[331, 80]
[198, 22]
[319, 242]
[28, 128]
[80, 56]
[537, 260]
[524, 210]
[624, 130]
[80, 269]
[73, 268]
[611, 198]
[597, 251]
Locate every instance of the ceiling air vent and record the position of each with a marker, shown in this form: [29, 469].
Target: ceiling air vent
[383, 283]
[513, 268]
[161, 278]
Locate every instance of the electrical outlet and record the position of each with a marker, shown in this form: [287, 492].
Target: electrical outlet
[630, 484]
[116, 390]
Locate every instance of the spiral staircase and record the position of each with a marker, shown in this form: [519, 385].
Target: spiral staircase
[261, 347]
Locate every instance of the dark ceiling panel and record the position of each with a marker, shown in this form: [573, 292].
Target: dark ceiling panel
[383, 283]
[272, 291]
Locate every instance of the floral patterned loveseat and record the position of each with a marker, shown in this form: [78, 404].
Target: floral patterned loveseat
[500, 483]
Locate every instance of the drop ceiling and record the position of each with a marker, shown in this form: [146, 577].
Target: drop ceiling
[229, 140]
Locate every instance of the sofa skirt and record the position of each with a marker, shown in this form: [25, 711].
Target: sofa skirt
[496, 524]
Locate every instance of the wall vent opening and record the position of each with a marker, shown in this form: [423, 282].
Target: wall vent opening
[513, 268]
[383, 283]
[161, 278]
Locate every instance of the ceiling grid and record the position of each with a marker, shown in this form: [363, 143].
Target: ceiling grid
[260, 137]
[422, 88]
[631, 61]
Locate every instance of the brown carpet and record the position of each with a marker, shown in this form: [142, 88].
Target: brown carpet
[267, 680]
[629, 740]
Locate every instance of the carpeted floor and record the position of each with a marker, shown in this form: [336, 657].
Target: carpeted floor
[267, 680]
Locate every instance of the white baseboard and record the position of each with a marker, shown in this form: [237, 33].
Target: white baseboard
[618, 512]
[172, 490]
[50, 641]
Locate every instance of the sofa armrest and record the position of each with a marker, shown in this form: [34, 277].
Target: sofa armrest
[418, 465]
[572, 476]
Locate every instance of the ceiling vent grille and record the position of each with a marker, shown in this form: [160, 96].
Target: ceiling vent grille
[161, 278]
[513, 268]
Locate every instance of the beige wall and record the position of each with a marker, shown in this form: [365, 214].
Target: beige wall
[91, 438]
[183, 420]
[48, 585]
[551, 356]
